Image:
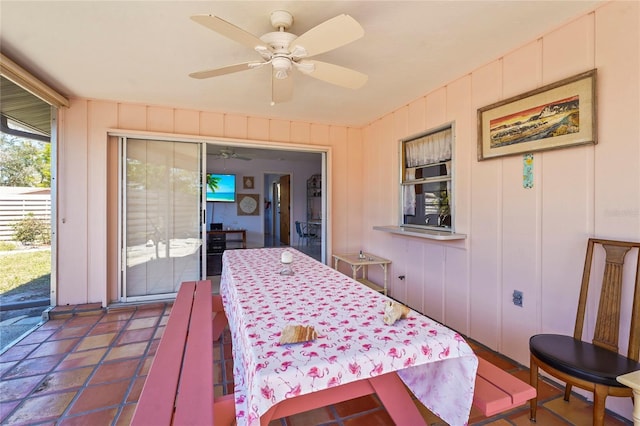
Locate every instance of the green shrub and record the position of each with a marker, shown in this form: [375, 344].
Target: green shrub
[7, 246]
[31, 231]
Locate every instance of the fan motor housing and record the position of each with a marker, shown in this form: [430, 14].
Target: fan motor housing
[279, 41]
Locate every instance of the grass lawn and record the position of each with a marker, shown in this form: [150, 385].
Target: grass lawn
[18, 268]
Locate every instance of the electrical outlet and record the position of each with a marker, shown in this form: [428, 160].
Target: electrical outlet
[517, 298]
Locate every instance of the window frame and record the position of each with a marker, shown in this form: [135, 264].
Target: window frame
[447, 178]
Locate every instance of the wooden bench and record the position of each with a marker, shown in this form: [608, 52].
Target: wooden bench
[497, 391]
[179, 387]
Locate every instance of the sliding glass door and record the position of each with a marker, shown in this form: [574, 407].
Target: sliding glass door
[161, 226]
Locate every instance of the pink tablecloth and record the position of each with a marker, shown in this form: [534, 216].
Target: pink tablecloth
[353, 342]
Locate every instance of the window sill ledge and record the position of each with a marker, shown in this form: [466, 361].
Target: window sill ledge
[421, 233]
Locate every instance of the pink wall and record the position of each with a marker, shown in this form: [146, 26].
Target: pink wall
[532, 240]
[86, 249]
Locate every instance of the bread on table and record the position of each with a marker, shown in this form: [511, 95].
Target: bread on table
[297, 333]
[393, 311]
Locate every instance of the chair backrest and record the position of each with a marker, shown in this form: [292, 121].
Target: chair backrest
[298, 229]
[607, 327]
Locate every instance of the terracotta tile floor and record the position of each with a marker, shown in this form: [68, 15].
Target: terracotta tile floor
[87, 367]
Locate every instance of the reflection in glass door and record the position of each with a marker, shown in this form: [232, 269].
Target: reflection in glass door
[161, 211]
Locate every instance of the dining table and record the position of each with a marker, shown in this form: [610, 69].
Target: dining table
[352, 353]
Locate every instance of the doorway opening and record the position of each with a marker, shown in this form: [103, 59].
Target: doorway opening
[260, 170]
[28, 138]
[277, 210]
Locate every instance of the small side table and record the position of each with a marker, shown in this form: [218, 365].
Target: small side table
[362, 264]
[633, 381]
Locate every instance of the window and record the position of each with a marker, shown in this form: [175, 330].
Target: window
[427, 187]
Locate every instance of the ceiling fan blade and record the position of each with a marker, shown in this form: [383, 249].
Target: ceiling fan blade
[228, 30]
[239, 157]
[228, 154]
[337, 75]
[281, 89]
[223, 70]
[329, 35]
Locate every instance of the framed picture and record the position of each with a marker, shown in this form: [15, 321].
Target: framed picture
[247, 182]
[248, 204]
[555, 116]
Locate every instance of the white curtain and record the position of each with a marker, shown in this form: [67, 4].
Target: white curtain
[432, 148]
[409, 196]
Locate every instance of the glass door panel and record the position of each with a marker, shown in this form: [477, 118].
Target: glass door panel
[162, 203]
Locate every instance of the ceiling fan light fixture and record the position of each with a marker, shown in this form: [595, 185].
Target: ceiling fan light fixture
[281, 67]
[298, 52]
[264, 52]
[305, 67]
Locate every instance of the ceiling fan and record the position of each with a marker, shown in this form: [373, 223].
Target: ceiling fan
[285, 51]
[227, 154]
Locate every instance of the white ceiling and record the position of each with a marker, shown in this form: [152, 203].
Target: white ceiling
[143, 51]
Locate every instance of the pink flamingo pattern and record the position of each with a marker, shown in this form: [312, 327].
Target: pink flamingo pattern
[353, 342]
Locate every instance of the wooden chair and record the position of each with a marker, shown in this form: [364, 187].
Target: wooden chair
[594, 366]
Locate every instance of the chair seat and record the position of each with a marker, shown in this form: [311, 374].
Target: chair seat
[581, 359]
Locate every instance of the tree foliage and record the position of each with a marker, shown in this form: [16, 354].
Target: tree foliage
[159, 177]
[213, 182]
[24, 162]
[31, 230]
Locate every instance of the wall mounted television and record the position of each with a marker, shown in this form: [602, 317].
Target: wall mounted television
[221, 187]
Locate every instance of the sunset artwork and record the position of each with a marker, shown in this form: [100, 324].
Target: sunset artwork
[552, 119]
[558, 115]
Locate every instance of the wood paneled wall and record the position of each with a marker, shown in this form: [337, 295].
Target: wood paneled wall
[87, 227]
[532, 240]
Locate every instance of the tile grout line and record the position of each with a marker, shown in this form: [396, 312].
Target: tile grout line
[141, 363]
[109, 347]
[95, 367]
[225, 378]
[29, 394]
[119, 407]
[334, 412]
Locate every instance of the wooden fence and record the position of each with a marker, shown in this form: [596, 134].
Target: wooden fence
[15, 207]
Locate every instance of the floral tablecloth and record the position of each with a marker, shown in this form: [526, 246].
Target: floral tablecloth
[353, 342]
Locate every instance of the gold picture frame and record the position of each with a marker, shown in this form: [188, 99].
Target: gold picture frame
[247, 182]
[558, 115]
